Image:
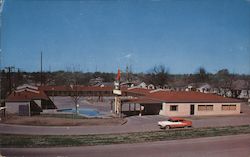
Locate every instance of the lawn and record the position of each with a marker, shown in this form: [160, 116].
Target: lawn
[61, 120]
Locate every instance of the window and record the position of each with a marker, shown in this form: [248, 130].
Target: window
[205, 107]
[173, 107]
[231, 107]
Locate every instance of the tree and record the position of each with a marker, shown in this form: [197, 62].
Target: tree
[248, 88]
[201, 75]
[224, 79]
[159, 75]
[74, 85]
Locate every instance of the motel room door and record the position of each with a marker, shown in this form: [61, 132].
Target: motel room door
[191, 109]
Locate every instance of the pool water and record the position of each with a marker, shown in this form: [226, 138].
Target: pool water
[83, 111]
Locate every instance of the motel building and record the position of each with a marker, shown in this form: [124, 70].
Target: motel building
[182, 103]
[28, 100]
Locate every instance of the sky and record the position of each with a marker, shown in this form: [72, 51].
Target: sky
[98, 35]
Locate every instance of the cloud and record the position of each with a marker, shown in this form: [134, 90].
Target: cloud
[241, 48]
[1, 6]
[128, 55]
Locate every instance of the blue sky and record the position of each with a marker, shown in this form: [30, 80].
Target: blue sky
[104, 35]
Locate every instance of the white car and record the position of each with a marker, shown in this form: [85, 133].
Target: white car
[175, 123]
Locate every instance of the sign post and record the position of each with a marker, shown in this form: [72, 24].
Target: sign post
[117, 92]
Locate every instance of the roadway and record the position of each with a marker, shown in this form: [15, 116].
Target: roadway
[134, 124]
[226, 146]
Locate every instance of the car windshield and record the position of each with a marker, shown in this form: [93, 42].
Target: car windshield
[171, 120]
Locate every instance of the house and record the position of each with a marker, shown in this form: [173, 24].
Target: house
[190, 88]
[186, 103]
[244, 94]
[95, 81]
[205, 88]
[28, 100]
[127, 84]
[151, 86]
[105, 84]
[142, 85]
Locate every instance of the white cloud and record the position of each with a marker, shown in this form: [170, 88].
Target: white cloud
[1, 5]
[128, 55]
[242, 48]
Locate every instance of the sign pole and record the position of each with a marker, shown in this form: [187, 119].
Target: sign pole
[117, 92]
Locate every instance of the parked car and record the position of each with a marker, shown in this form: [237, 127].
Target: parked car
[175, 122]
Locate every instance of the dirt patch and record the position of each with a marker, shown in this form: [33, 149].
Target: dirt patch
[55, 121]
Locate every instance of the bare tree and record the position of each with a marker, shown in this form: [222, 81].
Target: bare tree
[74, 86]
[224, 80]
[201, 75]
[159, 75]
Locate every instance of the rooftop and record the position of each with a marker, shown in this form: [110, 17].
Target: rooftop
[190, 96]
[26, 96]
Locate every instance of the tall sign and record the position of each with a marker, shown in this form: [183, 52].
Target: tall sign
[117, 92]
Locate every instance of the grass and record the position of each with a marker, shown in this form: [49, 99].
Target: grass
[61, 120]
[10, 140]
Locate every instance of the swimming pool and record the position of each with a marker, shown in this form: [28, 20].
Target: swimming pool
[83, 111]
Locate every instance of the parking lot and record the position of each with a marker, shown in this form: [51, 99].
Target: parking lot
[198, 121]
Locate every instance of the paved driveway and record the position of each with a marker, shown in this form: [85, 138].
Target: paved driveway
[134, 124]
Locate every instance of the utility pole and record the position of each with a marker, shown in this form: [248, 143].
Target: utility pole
[41, 73]
[1, 10]
[127, 74]
[9, 77]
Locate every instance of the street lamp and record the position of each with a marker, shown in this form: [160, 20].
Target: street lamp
[53, 89]
[75, 97]
[77, 111]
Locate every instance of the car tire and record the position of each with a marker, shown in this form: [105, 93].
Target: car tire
[167, 127]
[161, 127]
